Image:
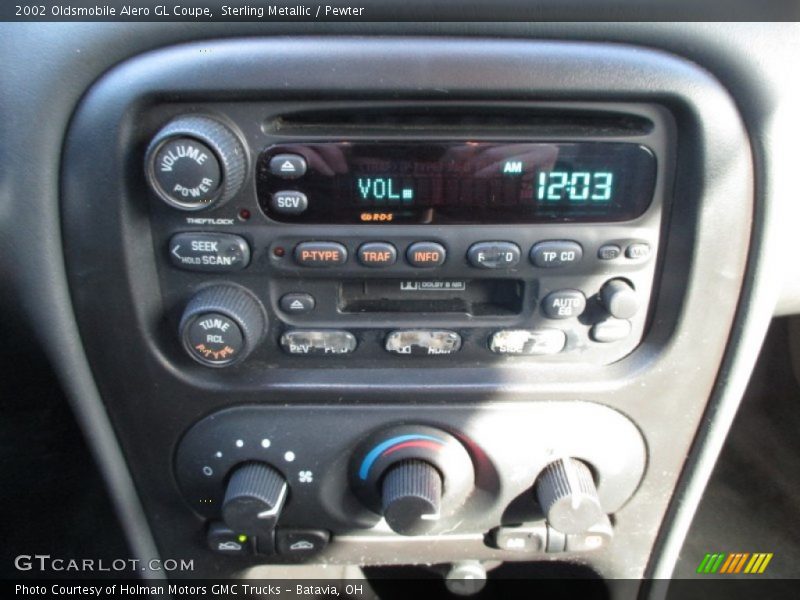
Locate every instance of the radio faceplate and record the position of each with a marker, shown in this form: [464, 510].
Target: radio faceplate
[478, 283]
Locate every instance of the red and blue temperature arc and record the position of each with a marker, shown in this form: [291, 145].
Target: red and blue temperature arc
[394, 444]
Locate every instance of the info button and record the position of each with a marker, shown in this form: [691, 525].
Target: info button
[320, 254]
[426, 254]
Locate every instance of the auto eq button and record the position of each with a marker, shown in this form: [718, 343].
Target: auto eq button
[210, 252]
[320, 254]
[564, 304]
[423, 342]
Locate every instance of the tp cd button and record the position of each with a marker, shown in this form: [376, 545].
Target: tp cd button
[426, 254]
[209, 251]
[493, 255]
[421, 342]
[556, 253]
[320, 254]
[564, 304]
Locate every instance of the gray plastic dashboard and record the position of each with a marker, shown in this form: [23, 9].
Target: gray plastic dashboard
[695, 329]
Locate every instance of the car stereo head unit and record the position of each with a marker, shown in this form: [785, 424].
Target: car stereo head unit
[447, 182]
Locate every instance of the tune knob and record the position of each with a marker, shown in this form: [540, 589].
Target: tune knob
[221, 325]
[568, 496]
[619, 299]
[254, 499]
[412, 497]
[195, 162]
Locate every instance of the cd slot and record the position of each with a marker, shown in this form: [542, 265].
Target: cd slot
[478, 297]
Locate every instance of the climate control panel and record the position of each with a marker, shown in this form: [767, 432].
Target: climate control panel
[344, 484]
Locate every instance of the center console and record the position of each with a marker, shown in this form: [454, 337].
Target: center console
[434, 317]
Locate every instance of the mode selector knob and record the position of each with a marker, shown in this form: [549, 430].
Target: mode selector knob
[568, 496]
[254, 499]
[412, 497]
[221, 325]
[195, 162]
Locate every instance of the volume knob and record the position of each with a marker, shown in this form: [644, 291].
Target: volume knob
[568, 496]
[195, 162]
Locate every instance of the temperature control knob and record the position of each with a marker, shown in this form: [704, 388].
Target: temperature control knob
[619, 299]
[195, 162]
[254, 499]
[412, 497]
[417, 477]
[568, 496]
[221, 325]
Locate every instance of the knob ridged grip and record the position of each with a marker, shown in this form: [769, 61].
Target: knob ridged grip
[229, 302]
[412, 497]
[254, 499]
[568, 496]
[228, 152]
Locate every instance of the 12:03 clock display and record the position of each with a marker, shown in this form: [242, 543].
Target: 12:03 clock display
[464, 182]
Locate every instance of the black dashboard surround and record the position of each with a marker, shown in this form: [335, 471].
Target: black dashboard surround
[154, 395]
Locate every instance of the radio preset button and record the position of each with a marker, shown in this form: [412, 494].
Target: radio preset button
[609, 252]
[377, 254]
[289, 202]
[426, 254]
[315, 343]
[493, 255]
[320, 254]
[529, 342]
[610, 330]
[209, 251]
[564, 304]
[556, 253]
[288, 166]
[297, 303]
[638, 250]
[423, 342]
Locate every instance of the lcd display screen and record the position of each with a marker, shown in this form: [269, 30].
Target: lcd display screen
[456, 182]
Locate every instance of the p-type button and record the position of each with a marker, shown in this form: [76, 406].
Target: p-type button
[320, 254]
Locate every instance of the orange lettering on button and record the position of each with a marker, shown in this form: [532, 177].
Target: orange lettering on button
[429, 256]
[373, 256]
[320, 255]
